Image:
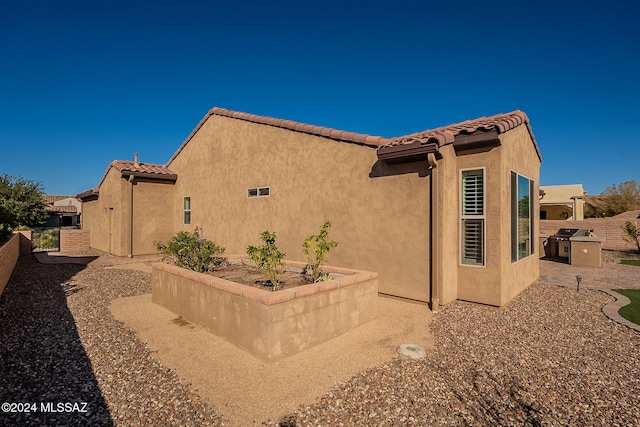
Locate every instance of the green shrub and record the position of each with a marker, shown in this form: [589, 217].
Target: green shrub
[316, 247]
[49, 239]
[268, 258]
[188, 250]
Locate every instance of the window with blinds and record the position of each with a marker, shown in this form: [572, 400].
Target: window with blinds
[472, 216]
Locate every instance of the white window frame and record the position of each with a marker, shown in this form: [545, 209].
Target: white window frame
[514, 224]
[482, 217]
[185, 210]
[259, 192]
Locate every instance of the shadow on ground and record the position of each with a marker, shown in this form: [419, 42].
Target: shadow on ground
[42, 361]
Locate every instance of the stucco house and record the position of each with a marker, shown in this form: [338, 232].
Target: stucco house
[64, 211]
[562, 202]
[444, 214]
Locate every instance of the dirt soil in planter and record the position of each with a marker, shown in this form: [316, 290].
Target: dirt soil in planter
[252, 276]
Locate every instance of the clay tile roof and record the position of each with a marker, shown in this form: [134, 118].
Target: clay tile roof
[62, 209]
[50, 199]
[127, 167]
[92, 193]
[338, 135]
[447, 134]
[139, 169]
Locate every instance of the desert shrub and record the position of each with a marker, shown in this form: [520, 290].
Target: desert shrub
[49, 238]
[268, 258]
[316, 247]
[631, 233]
[188, 250]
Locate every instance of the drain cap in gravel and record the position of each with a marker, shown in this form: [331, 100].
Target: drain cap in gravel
[412, 350]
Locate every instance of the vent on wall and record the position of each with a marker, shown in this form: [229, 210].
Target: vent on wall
[258, 192]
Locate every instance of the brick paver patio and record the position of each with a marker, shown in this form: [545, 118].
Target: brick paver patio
[610, 276]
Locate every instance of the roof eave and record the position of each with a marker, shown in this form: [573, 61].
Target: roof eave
[88, 195]
[152, 176]
[406, 151]
[477, 140]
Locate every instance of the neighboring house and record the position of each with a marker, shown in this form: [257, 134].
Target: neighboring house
[64, 211]
[441, 215]
[562, 202]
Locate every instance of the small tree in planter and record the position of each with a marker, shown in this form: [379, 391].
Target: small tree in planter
[189, 250]
[631, 233]
[316, 247]
[268, 258]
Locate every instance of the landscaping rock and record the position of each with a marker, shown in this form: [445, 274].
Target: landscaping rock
[549, 358]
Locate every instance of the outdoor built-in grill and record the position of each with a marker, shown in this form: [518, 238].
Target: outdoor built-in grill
[561, 240]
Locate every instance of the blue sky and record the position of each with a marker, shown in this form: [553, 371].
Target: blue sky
[84, 83]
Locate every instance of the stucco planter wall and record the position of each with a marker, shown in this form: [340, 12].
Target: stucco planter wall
[270, 325]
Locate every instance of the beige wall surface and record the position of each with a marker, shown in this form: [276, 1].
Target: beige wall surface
[499, 280]
[558, 212]
[105, 217]
[381, 223]
[109, 218]
[153, 215]
[518, 155]
[586, 252]
[286, 322]
[446, 227]
[483, 283]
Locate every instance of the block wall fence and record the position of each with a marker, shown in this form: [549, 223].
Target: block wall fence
[609, 228]
[71, 240]
[9, 253]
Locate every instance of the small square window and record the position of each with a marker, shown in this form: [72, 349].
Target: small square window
[252, 192]
[263, 192]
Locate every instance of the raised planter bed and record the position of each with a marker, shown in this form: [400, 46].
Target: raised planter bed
[270, 325]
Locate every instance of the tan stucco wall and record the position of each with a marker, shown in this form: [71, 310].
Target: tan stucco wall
[381, 224]
[499, 280]
[483, 283]
[558, 212]
[108, 218]
[518, 155]
[153, 215]
[270, 325]
[446, 227]
[586, 252]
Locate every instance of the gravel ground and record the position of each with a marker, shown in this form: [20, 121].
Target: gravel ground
[60, 344]
[610, 256]
[550, 358]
